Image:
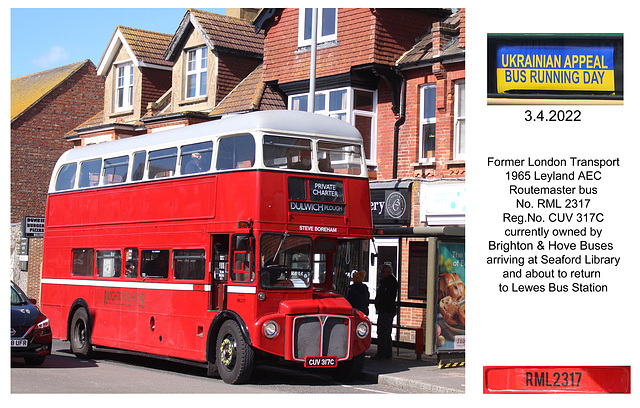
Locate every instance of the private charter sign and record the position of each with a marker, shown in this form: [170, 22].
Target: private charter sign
[555, 68]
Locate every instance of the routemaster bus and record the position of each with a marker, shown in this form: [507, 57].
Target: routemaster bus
[215, 243]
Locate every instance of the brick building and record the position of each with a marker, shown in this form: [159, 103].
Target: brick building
[398, 76]
[157, 81]
[44, 106]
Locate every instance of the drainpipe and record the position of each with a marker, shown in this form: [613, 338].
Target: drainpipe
[399, 122]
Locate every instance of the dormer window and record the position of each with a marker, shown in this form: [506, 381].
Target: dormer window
[327, 26]
[196, 73]
[124, 87]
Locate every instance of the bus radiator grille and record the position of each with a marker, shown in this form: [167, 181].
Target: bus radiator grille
[321, 336]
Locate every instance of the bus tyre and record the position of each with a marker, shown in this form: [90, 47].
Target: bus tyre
[234, 356]
[349, 370]
[212, 370]
[79, 336]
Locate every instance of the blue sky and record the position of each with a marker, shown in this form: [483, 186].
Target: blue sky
[45, 38]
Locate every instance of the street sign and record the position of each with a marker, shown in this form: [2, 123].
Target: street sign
[33, 227]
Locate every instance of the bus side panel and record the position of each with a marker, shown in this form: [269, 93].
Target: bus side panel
[171, 199]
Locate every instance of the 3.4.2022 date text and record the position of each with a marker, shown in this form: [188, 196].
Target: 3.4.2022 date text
[553, 115]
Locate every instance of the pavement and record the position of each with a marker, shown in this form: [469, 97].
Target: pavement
[404, 371]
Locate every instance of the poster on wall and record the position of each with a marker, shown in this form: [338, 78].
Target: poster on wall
[450, 323]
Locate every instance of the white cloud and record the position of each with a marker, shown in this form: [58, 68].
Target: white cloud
[56, 56]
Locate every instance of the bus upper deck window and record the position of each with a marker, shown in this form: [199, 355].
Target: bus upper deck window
[138, 166]
[90, 173]
[287, 152]
[66, 177]
[236, 152]
[196, 158]
[115, 170]
[162, 163]
[339, 158]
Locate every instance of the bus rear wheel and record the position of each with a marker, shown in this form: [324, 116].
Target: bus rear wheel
[79, 336]
[234, 356]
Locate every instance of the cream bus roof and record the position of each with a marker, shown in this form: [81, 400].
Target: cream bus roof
[278, 121]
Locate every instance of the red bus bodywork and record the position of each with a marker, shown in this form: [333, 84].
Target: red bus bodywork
[182, 317]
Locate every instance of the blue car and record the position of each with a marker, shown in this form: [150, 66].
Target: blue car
[30, 329]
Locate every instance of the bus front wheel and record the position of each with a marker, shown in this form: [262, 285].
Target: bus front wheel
[79, 338]
[234, 355]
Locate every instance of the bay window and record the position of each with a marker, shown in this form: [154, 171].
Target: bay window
[355, 106]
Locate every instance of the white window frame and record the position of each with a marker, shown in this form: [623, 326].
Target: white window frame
[459, 139]
[200, 57]
[347, 113]
[302, 21]
[424, 121]
[123, 84]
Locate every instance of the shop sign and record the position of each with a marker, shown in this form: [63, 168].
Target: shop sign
[555, 68]
[391, 206]
[443, 204]
[33, 227]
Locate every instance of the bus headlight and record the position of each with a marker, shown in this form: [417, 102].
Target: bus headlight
[362, 330]
[270, 329]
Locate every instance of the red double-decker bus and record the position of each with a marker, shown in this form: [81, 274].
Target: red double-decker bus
[215, 243]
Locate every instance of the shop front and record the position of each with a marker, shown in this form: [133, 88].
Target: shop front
[426, 248]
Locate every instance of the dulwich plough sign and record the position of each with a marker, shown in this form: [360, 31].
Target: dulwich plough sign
[317, 196]
[555, 66]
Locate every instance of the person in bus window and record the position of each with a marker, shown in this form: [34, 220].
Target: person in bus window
[194, 165]
[325, 165]
[303, 162]
[130, 271]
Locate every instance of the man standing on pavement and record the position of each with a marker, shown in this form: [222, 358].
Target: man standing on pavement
[386, 309]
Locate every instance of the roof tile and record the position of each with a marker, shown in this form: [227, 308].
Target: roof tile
[230, 32]
[27, 90]
[148, 46]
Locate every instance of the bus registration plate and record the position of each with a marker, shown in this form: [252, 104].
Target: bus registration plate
[311, 362]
